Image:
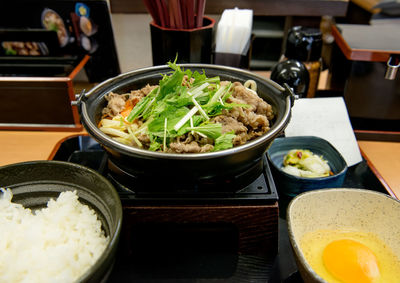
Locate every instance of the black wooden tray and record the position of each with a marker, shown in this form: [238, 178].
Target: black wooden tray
[200, 263]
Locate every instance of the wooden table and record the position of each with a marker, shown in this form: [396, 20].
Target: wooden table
[384, 159]
[18, 146]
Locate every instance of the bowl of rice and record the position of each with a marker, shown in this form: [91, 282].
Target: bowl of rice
[59, 222]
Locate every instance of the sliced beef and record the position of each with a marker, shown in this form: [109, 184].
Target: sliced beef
[116, 103]
[143, 91]
[230, 124]
[247, 96]
[144, 139]
[192, 147]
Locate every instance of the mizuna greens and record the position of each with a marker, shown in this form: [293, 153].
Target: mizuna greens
[184, 103]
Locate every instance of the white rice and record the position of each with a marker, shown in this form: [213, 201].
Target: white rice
[56, 244]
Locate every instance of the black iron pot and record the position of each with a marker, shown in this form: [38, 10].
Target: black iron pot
[167, 168]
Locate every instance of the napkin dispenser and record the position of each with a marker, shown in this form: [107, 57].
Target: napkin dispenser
[238, 60]
[233, 38]
[365, 62]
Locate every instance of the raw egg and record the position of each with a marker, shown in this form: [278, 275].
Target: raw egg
[350, 257]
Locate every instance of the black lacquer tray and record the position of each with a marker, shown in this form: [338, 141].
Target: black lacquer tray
[203, 262]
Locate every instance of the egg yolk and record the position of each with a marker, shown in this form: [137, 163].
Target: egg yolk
[351, 261]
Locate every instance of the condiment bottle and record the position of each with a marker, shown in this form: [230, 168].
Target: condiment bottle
[305, 44]
[294, 73]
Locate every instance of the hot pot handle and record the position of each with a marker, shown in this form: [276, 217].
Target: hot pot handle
[79, 98]
[289, 92]
[393, 65]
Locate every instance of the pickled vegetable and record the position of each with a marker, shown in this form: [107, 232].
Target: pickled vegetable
[304, 163]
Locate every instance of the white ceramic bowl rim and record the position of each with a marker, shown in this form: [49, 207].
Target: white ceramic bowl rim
[293, 242]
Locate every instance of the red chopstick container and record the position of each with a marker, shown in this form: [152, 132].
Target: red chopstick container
[190, 45]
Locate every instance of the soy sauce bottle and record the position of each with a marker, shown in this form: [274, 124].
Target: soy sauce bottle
[305, 45]
[294, 73]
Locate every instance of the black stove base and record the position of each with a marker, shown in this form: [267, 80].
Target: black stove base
[187, 235]
[86, 151]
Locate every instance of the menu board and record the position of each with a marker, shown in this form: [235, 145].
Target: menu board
[76, 28]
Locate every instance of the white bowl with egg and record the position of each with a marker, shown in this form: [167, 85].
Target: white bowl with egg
[336, 233]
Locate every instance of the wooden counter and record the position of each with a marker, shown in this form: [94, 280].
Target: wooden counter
[19, 146]
[384, 160]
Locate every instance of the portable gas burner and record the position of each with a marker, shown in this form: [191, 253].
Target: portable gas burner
[234, 213]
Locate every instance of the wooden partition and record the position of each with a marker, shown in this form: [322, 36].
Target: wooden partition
[40, 102]
[260, 7]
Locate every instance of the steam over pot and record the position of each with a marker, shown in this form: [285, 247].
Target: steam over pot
[168, 167]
